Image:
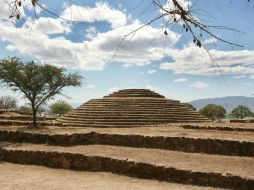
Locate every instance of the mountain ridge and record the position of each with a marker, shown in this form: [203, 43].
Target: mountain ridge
[228, 102]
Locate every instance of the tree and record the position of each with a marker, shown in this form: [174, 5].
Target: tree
[38, 83]
[241, 112]
[60, 107]
[213, 111]
[190, 106]
[8, 102]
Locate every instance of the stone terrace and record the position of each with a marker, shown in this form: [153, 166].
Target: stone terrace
[195, 156]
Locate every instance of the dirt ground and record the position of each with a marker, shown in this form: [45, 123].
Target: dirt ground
[24, 177]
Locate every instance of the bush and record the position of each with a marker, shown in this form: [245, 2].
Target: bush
[213, 112]
[60, 108]
[241, 112]
[8, 102]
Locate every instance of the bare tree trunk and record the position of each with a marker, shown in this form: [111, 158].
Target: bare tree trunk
[34, 110]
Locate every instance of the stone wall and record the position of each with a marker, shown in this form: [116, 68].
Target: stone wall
[242, 121]
[219, 128]
[209, 146]
[27, 123]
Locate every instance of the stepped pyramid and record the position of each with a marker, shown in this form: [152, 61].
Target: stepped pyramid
[130, 108]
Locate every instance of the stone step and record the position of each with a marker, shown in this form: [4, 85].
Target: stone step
[177, 139]
[127, 118]
[153, 111]
[123, 122]
[94, 117]
[133, 107]
[25, 123]
[129, 112]
[26, 118]
[85, 117]
[179, 167]
[140, 92]
[129, 115]
[127, 108]
[129, 91]
[110, 125]
[41, 178]
[123, 115]
[134, 100]
[218, 128]
[20, 117]
[135, 93]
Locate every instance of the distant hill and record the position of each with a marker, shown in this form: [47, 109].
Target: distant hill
[228, 102]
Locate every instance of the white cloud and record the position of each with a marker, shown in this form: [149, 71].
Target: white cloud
[126, 65]
[150, 87]
[246, 83]
[152, 71]
[239, 76]
[101, 12]
[46, 25]
[209, 41]
[90, 86]
[91, 32]
[199, 84]
[89, 55]
[180, 80]
[10, 48]
[193, 60]
[30, 7]
[113, 89]
[251, 76]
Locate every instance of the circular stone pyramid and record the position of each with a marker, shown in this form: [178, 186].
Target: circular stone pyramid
[130, 108]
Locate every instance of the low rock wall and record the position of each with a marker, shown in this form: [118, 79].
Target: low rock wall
[27, 123]
[209, 146]
[217, 128]
[242, 121]
[21, 118]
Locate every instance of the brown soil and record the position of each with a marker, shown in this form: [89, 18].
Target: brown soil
[239, 166]
[14, 176]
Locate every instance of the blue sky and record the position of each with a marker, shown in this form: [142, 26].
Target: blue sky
[170, 65]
